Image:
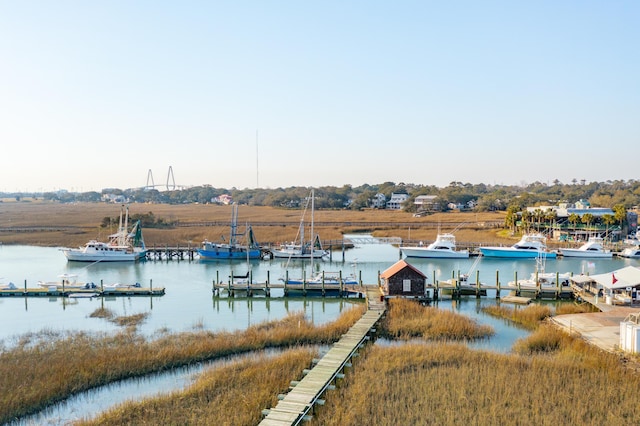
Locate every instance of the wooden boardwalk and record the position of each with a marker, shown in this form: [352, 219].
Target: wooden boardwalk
[298, 404]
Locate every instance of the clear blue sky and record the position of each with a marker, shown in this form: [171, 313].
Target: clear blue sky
[96, 94]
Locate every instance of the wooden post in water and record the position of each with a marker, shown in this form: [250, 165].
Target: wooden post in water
[477, 284]
[150, 286]
[497, 284]
[25, 288]
[343, 249]
[558, 289]
[266, 286]
[515, 276]
[286, 280]
[341, 284]
[323, 293]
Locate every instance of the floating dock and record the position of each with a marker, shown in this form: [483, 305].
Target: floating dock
[83, 293]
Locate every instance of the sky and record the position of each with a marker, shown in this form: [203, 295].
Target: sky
[268, 94]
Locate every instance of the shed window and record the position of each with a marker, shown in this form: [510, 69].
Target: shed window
[406, 286]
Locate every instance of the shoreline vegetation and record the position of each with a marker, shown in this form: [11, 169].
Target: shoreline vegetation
[45, 368]
[549, 377]
[428, 377]
[50, 224]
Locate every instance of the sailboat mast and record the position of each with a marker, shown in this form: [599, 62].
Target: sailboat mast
[312, 234]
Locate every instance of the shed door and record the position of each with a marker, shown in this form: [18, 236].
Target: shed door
[406, 286]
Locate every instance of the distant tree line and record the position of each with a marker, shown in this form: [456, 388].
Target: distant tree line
[611, 194]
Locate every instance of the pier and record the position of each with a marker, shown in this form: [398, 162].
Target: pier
[89, 292]
[298, 404]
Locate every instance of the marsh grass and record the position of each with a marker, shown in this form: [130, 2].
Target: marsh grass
[407, 319]
[126, 321]
[231, 395]
[573, 308]
[529, 316]
[449, 384]
[41, 370]
[88, 217]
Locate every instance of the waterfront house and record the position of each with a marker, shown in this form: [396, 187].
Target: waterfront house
[397, 200]
[403, 280]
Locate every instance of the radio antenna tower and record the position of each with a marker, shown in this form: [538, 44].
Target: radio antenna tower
[257, 169]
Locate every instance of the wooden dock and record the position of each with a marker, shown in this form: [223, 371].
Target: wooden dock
[306, 289]
[83, 293]
[298, 404]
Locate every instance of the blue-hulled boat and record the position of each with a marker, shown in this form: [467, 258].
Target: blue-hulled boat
[233, 249]
[530, 246]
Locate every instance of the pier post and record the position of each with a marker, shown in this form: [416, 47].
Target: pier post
[515, 277]
[286, 280]
[341, 284]
[558, 288]
[497, 284]
[150, 287]
[267, 291]
[477, 284]
[25, 288]
[343, 250]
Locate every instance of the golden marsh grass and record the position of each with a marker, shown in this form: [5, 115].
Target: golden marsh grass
[46, 368]
[87, 217]
[529, 316]
[448, 384]
[230, 395]
[407, 319]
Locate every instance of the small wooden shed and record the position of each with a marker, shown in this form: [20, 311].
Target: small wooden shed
[403, 279]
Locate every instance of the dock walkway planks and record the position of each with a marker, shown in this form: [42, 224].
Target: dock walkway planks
[299, 401]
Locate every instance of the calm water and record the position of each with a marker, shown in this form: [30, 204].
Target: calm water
[190, 304]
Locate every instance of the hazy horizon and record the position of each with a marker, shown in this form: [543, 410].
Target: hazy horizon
[260, 94]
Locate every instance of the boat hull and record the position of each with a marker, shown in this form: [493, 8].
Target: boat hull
[511, 253]
[81, 256]
[283, 254]
[585, 254]
[236, 254]
[429, 253]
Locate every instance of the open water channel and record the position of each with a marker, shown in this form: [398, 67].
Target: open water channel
[189, 302]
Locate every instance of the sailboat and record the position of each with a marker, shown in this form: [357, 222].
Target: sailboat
[302, 249]
[123, 246]
[233, 249]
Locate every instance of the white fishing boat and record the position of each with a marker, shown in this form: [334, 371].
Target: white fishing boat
[301, 248]
[630, 252]
[67, 282]
[443, 247]
[123, 246]
[540, 279]
[593, 248]
[530, 246]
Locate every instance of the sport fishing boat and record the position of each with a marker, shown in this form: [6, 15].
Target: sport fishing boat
[123, 246]
[443, 247]
[591, 249]
[530, 246]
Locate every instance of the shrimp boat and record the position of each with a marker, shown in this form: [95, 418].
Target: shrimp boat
[123, 246]
[233, 249]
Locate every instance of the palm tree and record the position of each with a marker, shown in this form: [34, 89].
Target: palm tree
[573, 219]
[608, 220]
[587, 219]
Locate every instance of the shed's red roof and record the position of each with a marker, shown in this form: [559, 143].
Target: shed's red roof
[397, 267]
